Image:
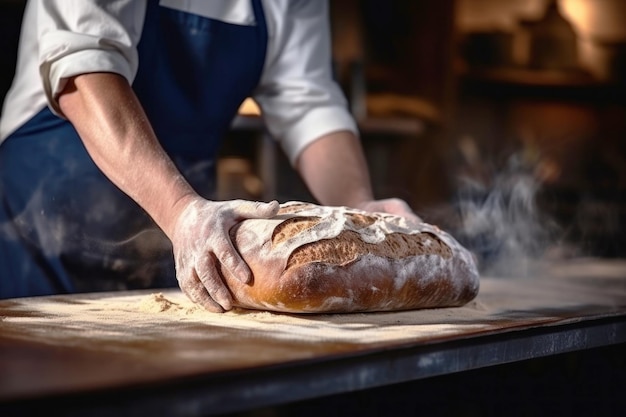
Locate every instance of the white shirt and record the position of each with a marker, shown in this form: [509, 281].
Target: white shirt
[299, 100]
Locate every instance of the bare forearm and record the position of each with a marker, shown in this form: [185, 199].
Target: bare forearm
[118, 136]
[335, 171]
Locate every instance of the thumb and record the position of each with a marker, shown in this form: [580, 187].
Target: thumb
[257, 209]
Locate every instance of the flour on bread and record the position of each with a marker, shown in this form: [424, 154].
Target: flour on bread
[312, 258]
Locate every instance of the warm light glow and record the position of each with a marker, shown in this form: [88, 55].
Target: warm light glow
[249, 108]
[481, 15]
[598, 19]
[577, 12]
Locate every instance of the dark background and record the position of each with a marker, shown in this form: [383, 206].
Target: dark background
[504, 91]
[489, 81]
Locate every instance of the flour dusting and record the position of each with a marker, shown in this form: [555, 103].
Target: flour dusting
[166, 324]
[158, 303]
[325, 259]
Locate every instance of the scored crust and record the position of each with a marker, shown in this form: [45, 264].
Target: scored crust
[321, 259]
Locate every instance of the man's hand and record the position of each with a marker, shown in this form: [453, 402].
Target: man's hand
[119, 138]
[391, 206]
[202, 243]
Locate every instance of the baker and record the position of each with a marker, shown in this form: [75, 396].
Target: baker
[110, 132]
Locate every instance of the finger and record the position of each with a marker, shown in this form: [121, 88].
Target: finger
[401, 208]
[234, 264]
[396, 205]
[195, 291]
[256, 209]
[409, 215]
[212, 282]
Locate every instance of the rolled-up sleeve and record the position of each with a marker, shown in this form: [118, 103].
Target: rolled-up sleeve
[83, 36]
[299, 99]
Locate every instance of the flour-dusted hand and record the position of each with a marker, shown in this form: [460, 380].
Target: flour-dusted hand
[392, 206]
[202, 243]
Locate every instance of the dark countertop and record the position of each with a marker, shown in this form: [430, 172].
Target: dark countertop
[148, 351]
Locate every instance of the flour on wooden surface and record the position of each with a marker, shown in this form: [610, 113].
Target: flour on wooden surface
[127, 320]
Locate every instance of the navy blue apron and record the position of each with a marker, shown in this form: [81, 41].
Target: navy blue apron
[64, 227]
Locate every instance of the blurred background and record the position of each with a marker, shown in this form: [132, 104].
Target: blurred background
[501, 120]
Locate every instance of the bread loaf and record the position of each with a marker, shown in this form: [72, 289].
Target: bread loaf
[321, 259]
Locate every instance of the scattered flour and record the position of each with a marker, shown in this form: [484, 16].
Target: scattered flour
[158, 303]
[168, 321]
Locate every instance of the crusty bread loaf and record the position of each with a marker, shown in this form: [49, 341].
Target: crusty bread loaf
[320, 259]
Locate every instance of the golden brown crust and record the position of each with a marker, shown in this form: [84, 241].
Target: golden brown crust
[348, 246]
[317, 259]
[291, 227]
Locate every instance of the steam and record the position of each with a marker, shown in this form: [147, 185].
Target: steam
[58, 231]
[501, 222]
[69, 212]
[497, 216]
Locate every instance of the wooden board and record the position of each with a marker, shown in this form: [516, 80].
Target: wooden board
[89, 342]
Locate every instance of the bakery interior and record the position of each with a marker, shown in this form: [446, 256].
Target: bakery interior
[501, 121]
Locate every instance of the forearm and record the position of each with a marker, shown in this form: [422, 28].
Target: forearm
[335, 170]
[118, 137]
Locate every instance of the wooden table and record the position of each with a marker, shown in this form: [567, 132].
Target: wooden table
[142, 352]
